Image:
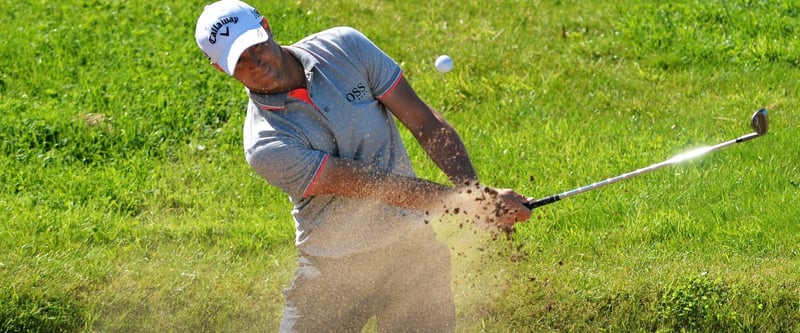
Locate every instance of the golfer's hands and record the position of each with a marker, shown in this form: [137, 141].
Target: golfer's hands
[510, 209]
[489, 208]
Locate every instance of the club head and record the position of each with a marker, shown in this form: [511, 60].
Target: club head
[759, 122]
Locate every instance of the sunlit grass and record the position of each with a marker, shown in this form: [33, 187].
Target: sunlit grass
[126, 203]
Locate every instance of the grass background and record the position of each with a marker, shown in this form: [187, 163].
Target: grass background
[126, 204]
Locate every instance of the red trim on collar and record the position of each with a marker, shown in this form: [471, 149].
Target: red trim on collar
[301, 94]
[270, 108]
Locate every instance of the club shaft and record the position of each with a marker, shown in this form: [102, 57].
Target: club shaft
[674, 160]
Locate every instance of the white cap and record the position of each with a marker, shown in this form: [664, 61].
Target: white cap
[225, 29]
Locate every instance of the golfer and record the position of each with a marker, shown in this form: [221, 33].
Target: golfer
[321, 126]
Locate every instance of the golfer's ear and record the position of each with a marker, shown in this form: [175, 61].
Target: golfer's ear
[265, 24]
[216, 65]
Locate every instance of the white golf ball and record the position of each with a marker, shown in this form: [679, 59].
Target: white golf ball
[444, 64]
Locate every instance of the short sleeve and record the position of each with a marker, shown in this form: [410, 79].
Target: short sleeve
[381, 71]
[281, 156]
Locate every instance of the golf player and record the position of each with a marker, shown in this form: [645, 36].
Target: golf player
[321, 126]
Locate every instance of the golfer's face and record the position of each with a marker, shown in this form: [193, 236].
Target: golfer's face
[259, 66]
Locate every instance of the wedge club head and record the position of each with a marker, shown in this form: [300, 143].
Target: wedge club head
[759, 122]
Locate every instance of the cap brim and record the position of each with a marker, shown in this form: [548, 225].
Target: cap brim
[245, 40]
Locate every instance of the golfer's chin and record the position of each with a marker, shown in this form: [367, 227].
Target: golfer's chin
[258, 88]
[263, 86]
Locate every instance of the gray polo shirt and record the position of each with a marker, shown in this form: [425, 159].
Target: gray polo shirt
[289, 137]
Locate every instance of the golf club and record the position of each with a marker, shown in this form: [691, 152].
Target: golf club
[758, 122]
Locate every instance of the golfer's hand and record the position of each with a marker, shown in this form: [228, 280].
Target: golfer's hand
[488, 208]
[510, 209]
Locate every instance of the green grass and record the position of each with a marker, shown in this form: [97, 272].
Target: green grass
[126, 203]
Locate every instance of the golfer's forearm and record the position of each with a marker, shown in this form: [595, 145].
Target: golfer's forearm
[446, 149]
[454, 161]
[354, 179]
[413, 193]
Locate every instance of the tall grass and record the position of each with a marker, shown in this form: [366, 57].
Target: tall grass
[127, 205]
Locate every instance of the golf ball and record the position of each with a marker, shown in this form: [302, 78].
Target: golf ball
[444, 64]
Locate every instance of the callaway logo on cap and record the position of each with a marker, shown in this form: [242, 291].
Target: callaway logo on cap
[225, 29]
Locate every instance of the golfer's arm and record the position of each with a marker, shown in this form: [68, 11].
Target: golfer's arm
[355, 179]
[436, 136]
